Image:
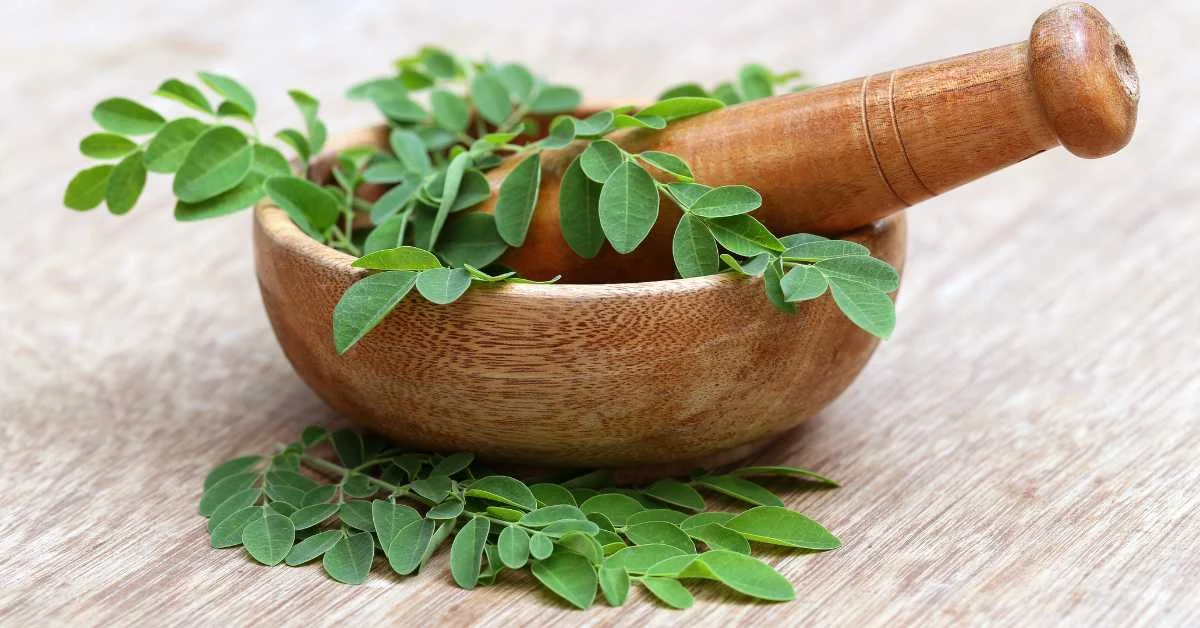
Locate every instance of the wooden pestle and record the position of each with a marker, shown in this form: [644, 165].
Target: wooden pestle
[839, 157]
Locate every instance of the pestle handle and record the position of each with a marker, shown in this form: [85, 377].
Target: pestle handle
[836, 158]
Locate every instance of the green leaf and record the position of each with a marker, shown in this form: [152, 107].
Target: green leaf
[312, 435]
[184, 93]
[490, 98]
[862, 269]
[452, 464]
[87, 188]
[269, 162]
[686, 89]
[726, 93]
[559, 529]
[615, 506]
[579, 211]
[786, 471]
[386, 171]
[231, 90]
[780, 526]
[448, 509]
[623, 121]
[308, 107]
[357, 514]
[746, 575]
[803, 283]
[285, 494]
[513, 545]
[349, 560]
[126, 117]
[743, 235]
[449, 110]
[675, 493]
[393, 201]
[719, 537]
[228, 533]
[434, 488]
[409, 545]
[555, 99]
[439, 62]
[656, 514]
[517, 80]
[436, 540]
[399, 108]
[473, 190]
[674, 567]
[106, 146]
[125, 183]
[238, 501]
[230, 109]
[309, 516]
[552, 495]
[503, 489]
[399, 258]
[600, 159]
[568, 575]
[288, 477]
[704, 518]
[562, 132]
[233, 466]
[669, 592]
[298, 142]
[583, 544]
[518, 197]
[313, 547]
[171, 144]
[222, 490]
[467, 550]
[410, 150]
[349, 447]
[368, 89]
[628, 206]
[269, 539]
[471, 238]
[773, 284]
[366, 303]
[694, 248]
[596, 124]
[547, 515]
[281, 508]
[740, 489]
[818, 250]
[865, 306]
[218, 160]
[302, 199]
[454, 177]
[686, 194]
[727, 200]
[389, 518]
[669, 163]
[754, 82]
[540, 545]
[614, 583]
[660, 532]
[753, 267]
[681, 107]
[443, 285]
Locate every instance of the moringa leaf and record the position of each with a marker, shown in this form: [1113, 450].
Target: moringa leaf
[803, 283]
[694, 248]
[753, 267]
[555, 99]
[386, 171]
[365, 303]
[685, 89]
[719, 537]
[600, 160]
[754, 82]
[467, 550]
[443, 285]
[568, 575]
[547, 515]
[675, 493]
[309, 516]
[503, 489]
[656, 514]
[313, 547]
[686, 194]
[238, 501]
[471, 238]
[552, 495]
[865, 305]
[126, 117]
[357, 514]
[491, 98]
[862, 269]
[518, 197]
[818, 250]
[454, 177]
[579, 211]
[705, 518]
[779, 526]
[615, 506]
[231, 90]
[727, 200]
[743, 235]
[746, 575]
[623, 121]
[269, 539]
[106, 146]
[349, 447]
[513, 546]
[228, 533]
[217, 161]
[434, 488]
[660, 532]
[222, 490]
[562, 528]
[230, 467]
[669, 163]
[450, 111]
[87, 188]
[399, 258]
[449, 509]
[772, 284]
[473, 190]
[410, 150]
[349, 560]
[125, 183]
[669, 592]
[394, 200]
[185, 94]
[614, 583]
[409, 545]
[583, 544]
[786, 471]
[628, 206]
[171, 144]
[389, 518]
[740, 489]
[452, 464]
[596, 124]
[540, 545]
[681, 107]
[517, 80]
[562, 132]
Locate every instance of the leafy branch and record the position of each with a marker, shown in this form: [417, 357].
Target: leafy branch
[576, 537]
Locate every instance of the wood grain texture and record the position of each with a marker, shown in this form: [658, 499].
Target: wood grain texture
[1022, 452]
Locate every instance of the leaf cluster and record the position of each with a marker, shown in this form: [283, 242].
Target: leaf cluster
[345, 498]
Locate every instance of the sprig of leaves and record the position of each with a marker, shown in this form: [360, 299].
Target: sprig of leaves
[343, 497]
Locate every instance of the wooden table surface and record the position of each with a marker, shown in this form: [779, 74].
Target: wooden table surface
[1024, 451]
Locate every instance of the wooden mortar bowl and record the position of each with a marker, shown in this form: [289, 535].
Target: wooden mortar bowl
[667, 375]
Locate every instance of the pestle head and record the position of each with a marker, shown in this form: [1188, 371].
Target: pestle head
[1084, 79]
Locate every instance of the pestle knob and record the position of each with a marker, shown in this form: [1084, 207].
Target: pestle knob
[839, 157]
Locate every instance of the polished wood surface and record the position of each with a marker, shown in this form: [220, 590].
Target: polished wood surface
[1022, 452]
[835, 158]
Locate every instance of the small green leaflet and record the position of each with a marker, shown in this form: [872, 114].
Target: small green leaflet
[741, 489]
[228, 533]
[349, 560]
[540, 545]
[409, 545]
[389, 519]
[399, 258]
[231, 90]
[467, 550]
[623, 121]
[218, 160]
[308, 107]
[865, 306]
[449, 110]
[579, 211]
[357, 514]
[309, 516]
[87, 188]
[753, 267]
[235, 502]
[615, 506]
[614, 583]
[517, 80]
[306, 202]
[754, 82]
[727, 200]
[454, 176]
[547, 515]
[562, 132]
[184, 93]
[745, 574]
[803, 283]
[686, 194]
[106, 146]
[126, 117]
[676, 493]
[862, 269]
[552, 495]
[558, 529]
[171, 144]
[443, 285]
[440, 63]
[518, 197]
[312, 547]
[394, 200]
[349, 447]
[773, 285]
[600, 159]
[385, 171]
[449, 509]
[660, 532]
[786, 471]
[568, 575]
[719, 537]
[669, 163]
[410, 150]
[669, 591]
[365, 303]
[743, 235]
[269, 539]
[681, 107]
[685, 89]
[125, 183]
[555, 99]
[230, 467]
[668, 515]
[628, 206]
[513, 545]
[269, 162]
[705, 518]
[222, 490]
[694, 248]
[779, 526]
[596, 124]
[583, 544]
[471, 238]
[503, 489]
[490, 98]
[817, 250]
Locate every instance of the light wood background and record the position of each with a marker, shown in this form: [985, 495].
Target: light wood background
[1025, 451]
